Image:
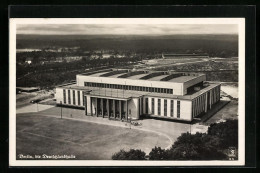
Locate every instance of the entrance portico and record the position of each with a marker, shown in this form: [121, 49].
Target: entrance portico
[112, 108]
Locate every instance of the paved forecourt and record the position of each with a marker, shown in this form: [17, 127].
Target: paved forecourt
[39, 135]
[87, 137]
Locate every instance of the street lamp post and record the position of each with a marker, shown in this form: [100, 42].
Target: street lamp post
[190, 128]
[61, 109]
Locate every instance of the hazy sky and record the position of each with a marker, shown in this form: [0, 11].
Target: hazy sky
[126, 29]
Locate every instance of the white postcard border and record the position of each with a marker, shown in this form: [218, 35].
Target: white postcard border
[12, 90]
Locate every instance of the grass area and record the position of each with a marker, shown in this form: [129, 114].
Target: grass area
[89, 141]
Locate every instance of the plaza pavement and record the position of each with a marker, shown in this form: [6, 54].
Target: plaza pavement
[171, 130]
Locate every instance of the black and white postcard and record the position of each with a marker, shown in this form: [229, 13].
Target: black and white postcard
[127, 91]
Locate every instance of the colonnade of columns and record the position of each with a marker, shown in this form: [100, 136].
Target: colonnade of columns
[111, 108]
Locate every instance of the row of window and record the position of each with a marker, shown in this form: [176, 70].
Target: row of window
[165, 107]
[73, 97]
[159, 103]
[130, 87]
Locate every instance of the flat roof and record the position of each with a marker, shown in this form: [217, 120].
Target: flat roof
[185, 97]
[182, 79]
[158, 78]
[116, 75]
[178, 79]
[127, 94]
[137, 76]
[73, 86]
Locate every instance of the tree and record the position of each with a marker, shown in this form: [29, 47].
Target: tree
[158, 154]
[227, 132]
[129, 155]
[199, 146]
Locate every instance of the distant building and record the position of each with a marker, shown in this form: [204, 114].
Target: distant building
[94, 56]
[125, 94]
[119, 56]
[106, 55]
[59, 59]
[73, 58]
[28, 60]
[172, 56]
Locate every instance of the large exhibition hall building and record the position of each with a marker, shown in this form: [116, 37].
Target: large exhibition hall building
[130, 94]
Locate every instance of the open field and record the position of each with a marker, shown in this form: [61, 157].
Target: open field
[216, 69]
[53, 136]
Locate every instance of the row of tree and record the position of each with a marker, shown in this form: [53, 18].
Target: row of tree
[200, 146]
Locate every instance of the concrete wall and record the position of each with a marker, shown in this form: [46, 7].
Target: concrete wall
[185, 108]
[177, 87]
[133, 105]
[59, 97]
[192, 82]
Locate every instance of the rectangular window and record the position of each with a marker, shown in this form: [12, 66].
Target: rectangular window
[152, 105]
[78, 97]
[164, 90]
[165, 107]
[171, 91]
[69, 96]
[178, 109]
[159, 107]
[153, 89]
[156, 90]
[64, 96]
[171, 108]
[73, 95]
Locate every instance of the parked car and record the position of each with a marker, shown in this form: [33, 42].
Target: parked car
[36, 100]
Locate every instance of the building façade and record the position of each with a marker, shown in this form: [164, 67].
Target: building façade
[127, 94]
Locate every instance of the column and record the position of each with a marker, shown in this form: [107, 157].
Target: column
[108, 113]
[91, 111]
[210, 99]
[126, 110]
[86, 109]
[102, 107]
[96, 105]
[114, 108]
[120, 109]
